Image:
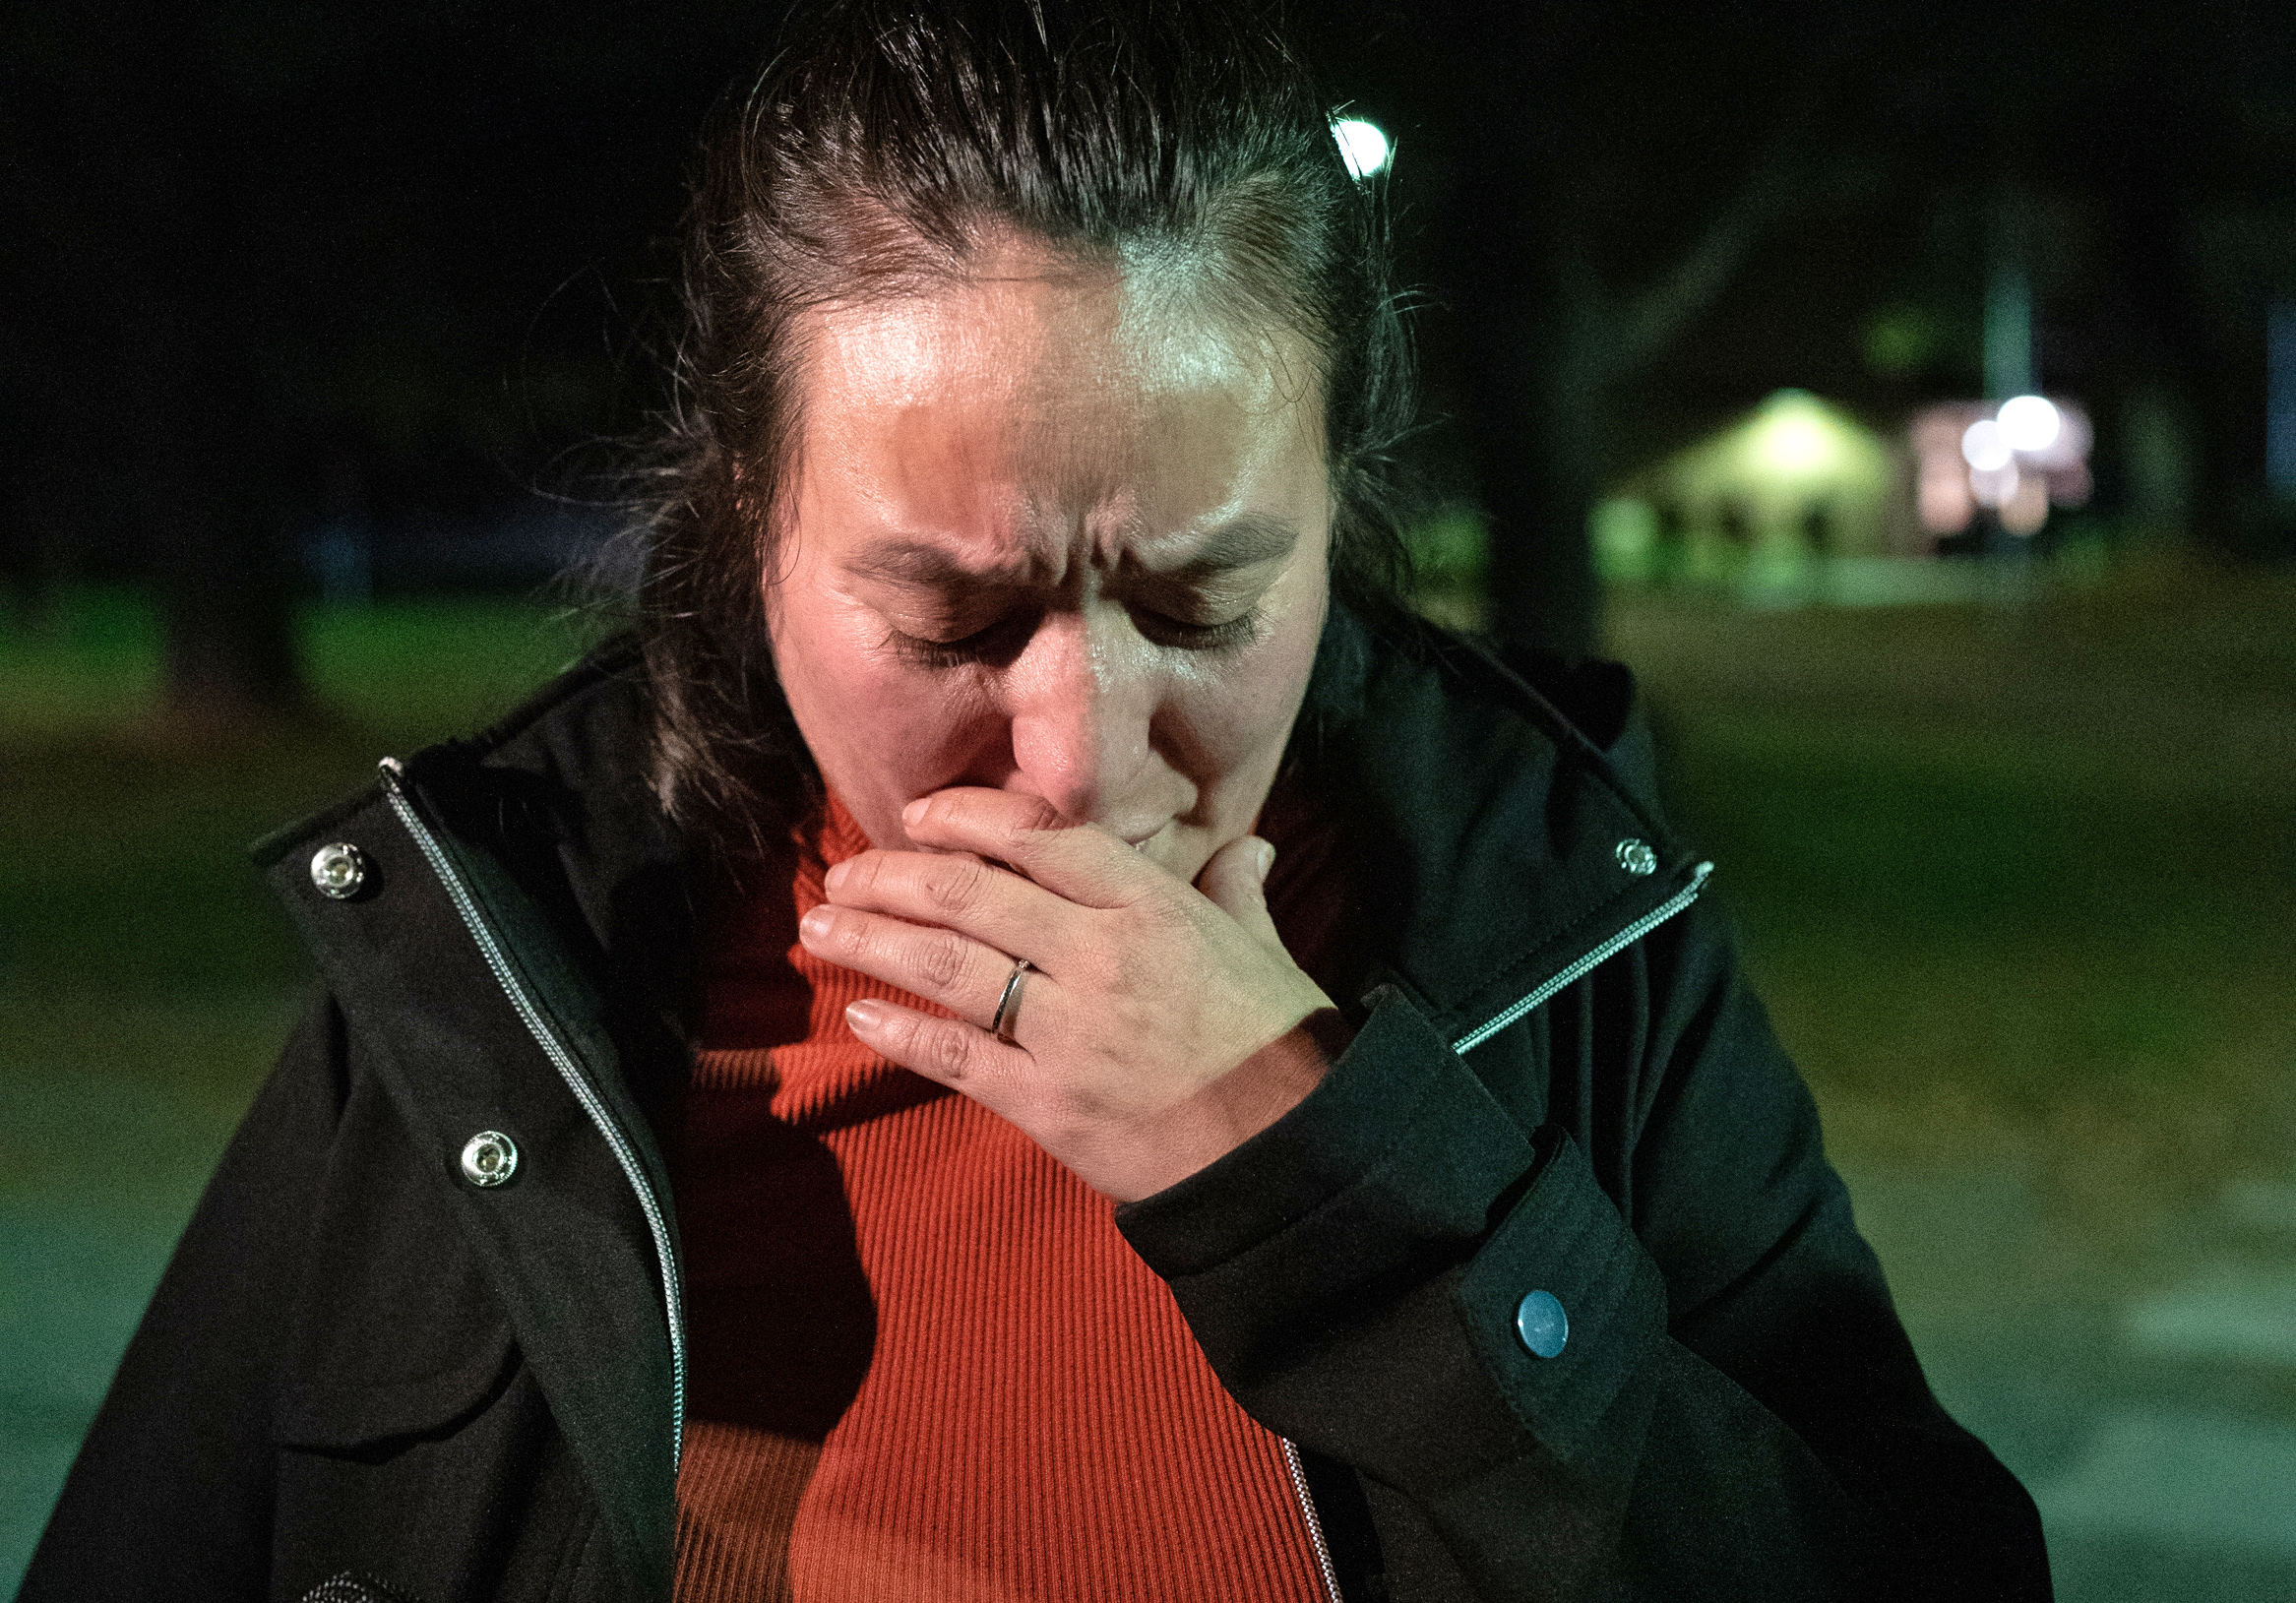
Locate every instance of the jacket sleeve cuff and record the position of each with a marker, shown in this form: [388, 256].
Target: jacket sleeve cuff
[1353, 1271]
[1398, 1147]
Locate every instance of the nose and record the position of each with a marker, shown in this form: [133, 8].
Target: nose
[1080, 716]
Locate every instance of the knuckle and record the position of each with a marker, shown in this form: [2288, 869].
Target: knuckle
[957, 888]
[1113, 974]
[943, 960]
[901, 1031]
[949, 1053]
[1029, 821]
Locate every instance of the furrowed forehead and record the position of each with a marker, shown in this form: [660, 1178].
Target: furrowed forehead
[1245, 541]
[1013, 429]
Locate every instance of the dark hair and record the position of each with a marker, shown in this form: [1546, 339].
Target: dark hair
[884, 141]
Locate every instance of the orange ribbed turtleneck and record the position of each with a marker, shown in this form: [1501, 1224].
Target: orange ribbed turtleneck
[924, 1363]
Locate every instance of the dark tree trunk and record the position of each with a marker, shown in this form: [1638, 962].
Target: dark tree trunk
[1535, 423]
[141, 247]
[211, 524]
[2178, 343]
[1524, 345]
[228, 617]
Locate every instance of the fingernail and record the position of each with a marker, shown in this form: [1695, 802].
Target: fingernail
[914, 810]
[815, 926]
[1267, 855]
[864, 1015]
[835, 876]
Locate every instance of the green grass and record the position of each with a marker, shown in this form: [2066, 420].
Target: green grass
[2010, 881]
[126, 869]
[405, 670]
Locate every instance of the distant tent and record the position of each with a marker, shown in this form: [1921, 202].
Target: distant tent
[1752, 506]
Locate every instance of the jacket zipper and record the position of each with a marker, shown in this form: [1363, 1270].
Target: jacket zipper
[1600, 955]
[531, 1014]
[1307, 1511]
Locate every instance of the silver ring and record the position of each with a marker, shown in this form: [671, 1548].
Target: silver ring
[1006, 1005]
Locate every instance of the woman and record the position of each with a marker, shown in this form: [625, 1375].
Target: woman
[832, 1100]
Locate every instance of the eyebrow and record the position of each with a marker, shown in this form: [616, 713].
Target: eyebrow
[916, 562]
[1240, 542]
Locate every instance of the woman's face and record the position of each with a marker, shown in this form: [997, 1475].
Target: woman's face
[1049, 538]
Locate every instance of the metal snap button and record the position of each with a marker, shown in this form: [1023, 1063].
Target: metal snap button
[1541, 1324]
[1636, 857]
[489, 1158]
[339, 870]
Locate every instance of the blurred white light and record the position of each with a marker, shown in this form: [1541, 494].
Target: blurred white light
[1984, 446]
[1996, 486]
[1796, 443]
[2026, 507]
[1361, 145]
[1943, 500]
[2028, 423]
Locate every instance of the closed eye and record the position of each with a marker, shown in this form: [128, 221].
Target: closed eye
[996, 644]
[1184, 636]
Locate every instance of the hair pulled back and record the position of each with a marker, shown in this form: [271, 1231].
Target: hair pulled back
[882, 144]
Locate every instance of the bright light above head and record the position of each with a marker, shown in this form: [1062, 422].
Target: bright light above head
[1985, 448]
[2029, 424]
[1361, 145]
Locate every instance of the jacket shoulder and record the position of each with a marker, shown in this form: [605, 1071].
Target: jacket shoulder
[1586, 707]
[585, 726]
[1595, 696]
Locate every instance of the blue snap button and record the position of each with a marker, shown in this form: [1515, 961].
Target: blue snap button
[1542, 1325]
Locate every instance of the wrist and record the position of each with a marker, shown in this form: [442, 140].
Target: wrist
[1220, 1117]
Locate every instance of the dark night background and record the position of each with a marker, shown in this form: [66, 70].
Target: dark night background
[320, 324]
[272, 265]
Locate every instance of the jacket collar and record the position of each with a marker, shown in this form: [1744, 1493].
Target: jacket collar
[1497, 845]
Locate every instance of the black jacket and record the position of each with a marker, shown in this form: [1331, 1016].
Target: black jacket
[364, 1376]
